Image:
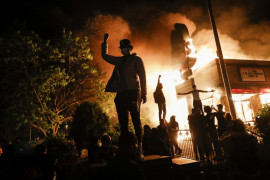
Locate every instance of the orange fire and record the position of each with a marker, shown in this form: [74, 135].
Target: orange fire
[174, 107]
[170, 79]
[152, 43]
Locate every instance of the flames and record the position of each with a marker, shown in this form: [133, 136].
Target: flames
[170, 78]
[174, 107]
[190, 48]
[152, 43]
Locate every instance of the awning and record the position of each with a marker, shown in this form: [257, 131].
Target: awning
[243, 91]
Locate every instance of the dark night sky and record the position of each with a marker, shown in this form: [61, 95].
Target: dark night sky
[47, 17]
[245, 24]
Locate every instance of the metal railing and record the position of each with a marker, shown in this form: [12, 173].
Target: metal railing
[185, 143]
[250, 129]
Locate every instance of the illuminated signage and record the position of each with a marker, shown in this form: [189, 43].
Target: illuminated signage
[252, 74]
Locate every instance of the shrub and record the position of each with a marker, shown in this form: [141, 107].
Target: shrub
[88, 120]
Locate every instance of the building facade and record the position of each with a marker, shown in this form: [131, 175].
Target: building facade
[249, 81]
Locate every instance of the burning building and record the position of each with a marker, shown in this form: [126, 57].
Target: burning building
[249, 80]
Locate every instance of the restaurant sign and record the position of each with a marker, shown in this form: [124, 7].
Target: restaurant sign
[252, 74]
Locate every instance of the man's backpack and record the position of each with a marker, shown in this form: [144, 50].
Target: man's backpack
[156, 96]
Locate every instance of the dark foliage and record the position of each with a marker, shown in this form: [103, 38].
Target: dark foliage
[88, 120]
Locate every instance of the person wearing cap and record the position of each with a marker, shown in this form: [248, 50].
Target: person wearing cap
[128, 80]
[197, 103]
[212, 131]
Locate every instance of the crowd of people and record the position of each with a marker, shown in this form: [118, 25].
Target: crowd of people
[205, 135]
[122, 160]
[160, 140]
[228, 139]
[128, 81]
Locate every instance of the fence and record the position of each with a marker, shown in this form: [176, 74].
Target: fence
[186, 144]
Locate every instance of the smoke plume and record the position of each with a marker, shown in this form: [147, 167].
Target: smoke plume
[149, 33]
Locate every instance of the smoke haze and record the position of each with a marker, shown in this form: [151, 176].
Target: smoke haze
[243, 27]
[149, 33]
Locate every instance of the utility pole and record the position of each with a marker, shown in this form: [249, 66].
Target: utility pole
[221, 62]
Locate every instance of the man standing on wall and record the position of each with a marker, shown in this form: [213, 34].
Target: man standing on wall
[128, 80]
[197, 103]
[160, 100]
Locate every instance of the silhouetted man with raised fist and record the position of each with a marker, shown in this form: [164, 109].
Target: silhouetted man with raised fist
[128, 80]
[160, 100]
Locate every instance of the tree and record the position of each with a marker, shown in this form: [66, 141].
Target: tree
[89, 120]
[44, 81]
[262, 123]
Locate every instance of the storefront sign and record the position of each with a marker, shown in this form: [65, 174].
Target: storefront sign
[252, 74]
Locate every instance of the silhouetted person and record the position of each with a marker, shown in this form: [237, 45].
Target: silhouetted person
[192, 121]
[173, 129]
[160, 100]
[93, 150]
[129, 81]
[242, 150]
[124, 165]
[200, 126]
[158, 146]
[222, 122]
[228, 118]
[107, 149]
[197, 103]
[147, 140]
[210, 118]
[163, 134]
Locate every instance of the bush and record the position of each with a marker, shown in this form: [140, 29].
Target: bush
[263, 120]
[114, 132]
[88, 120]
[60, 148]
[262, 123]
[63, 153]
